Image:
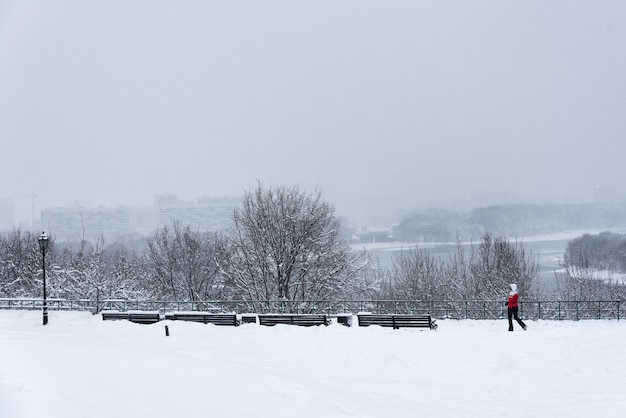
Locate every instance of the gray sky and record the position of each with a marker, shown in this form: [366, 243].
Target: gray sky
[414, 103]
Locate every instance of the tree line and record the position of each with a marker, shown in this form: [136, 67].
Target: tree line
[594, 267]
[440, 225]
[284, 244]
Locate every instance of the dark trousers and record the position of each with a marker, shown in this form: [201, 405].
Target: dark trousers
[513, 315]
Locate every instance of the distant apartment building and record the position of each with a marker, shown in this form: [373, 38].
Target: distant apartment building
[77, 223]
[72, 224]
[205, 214]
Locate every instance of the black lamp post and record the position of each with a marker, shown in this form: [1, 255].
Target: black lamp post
[43, 246]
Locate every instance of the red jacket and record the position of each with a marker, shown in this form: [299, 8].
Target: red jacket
[513, 300]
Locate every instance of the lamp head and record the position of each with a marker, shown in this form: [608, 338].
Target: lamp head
[43, 241]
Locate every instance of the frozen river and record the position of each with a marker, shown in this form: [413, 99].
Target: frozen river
[548, 250]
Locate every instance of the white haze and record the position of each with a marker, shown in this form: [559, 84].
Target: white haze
[382, 106]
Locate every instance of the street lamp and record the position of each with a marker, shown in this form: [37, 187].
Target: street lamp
[43, 246]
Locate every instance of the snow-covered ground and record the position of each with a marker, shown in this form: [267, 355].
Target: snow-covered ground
[81, 366]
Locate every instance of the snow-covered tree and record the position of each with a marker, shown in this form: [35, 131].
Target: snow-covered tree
[287, 244]
[458, 273]
[126, 276]
[417, 275]
[484, 273]
[21, 264]
[584, 278]
[604, 251]
[498, 263]
[181, 265]
[370, 281]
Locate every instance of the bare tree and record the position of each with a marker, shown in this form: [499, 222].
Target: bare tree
[286, 244]
[482, 274]
[370, 282]
[458, 274]
[417, 275]
[498, 263]
[580, 281]
[182, 265]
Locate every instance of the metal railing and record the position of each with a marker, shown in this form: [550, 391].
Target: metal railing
[452, 309]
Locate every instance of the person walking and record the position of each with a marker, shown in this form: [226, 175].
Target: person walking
[513, 307]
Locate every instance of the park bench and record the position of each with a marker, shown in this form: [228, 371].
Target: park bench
[136, 317]
[305, 320]
[248, 319]
[344, 319]
[397, 321]
[205, 318]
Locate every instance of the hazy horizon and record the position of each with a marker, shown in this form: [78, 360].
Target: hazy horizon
[382, 107]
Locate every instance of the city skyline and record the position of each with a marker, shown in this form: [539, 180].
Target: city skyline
[384, 217]
[72, 218]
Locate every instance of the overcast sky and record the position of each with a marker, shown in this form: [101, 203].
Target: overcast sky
[415, 103]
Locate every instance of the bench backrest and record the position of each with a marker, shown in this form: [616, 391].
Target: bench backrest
[397, 321]
[205, 318]
[305, 320]
[136, 317]
[144, 318]
[112, 316]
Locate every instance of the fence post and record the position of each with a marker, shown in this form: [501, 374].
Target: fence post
[539, 310]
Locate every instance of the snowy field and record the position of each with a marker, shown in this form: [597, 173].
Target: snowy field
[81, 366]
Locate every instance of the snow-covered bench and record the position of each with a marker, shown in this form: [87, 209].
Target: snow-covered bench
[305, 320]
[137, 317]
[248, 318]
[205, 318]
[397, 321]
